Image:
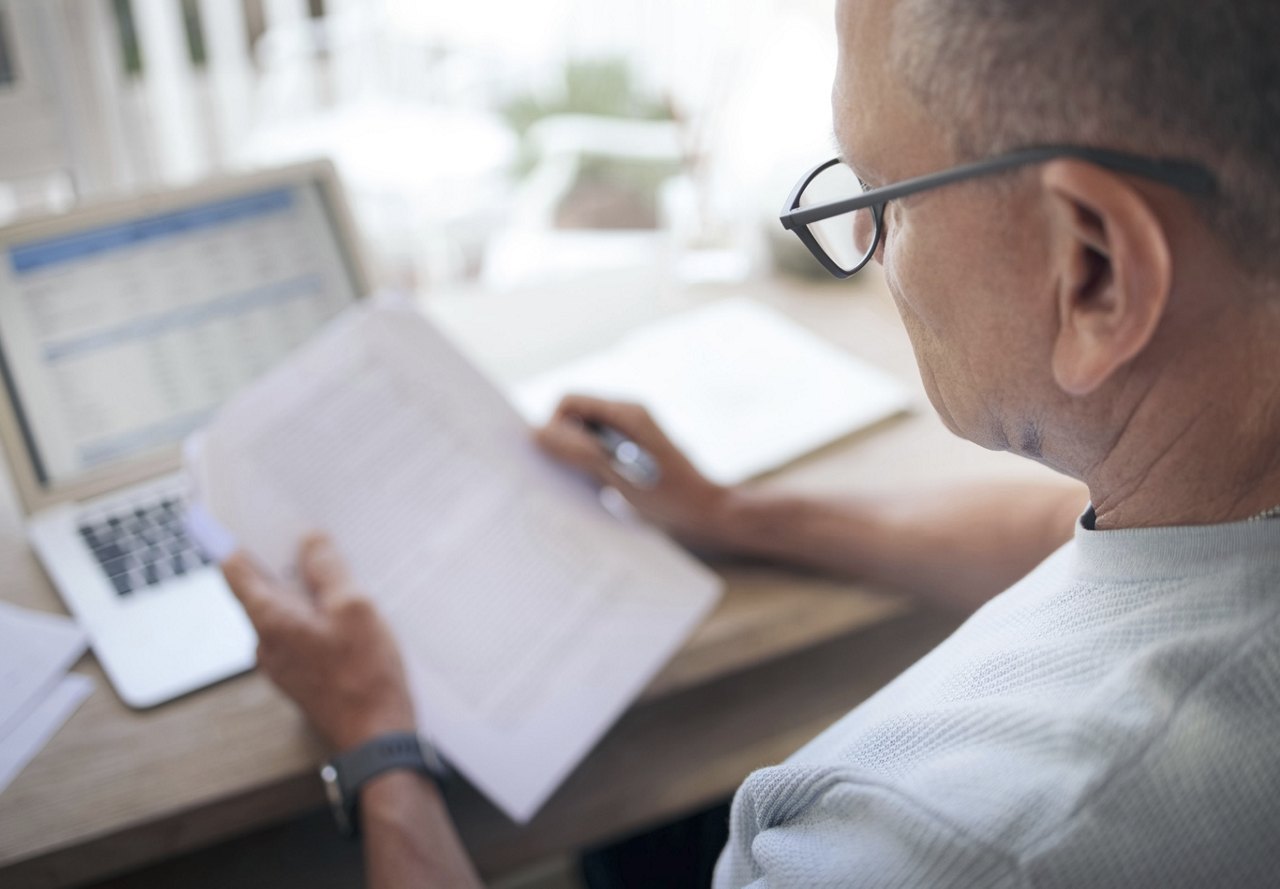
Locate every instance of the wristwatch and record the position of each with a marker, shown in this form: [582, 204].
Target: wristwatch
[346, 773]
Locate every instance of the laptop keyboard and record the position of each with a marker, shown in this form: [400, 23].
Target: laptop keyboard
[143, 545]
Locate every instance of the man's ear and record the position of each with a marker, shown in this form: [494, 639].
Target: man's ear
[1113, 272]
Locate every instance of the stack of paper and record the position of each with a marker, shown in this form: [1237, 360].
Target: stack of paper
[740, 388]
[529, 617]
[37, 695]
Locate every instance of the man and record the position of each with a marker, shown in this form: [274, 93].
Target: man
[1110, 719]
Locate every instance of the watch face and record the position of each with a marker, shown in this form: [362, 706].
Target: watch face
[431, 758]
[337, 803]
[348, 772]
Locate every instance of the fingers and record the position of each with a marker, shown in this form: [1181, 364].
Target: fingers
[568, 441]
[632, 420]
[323, 570]
[255, 592]
[566, 437]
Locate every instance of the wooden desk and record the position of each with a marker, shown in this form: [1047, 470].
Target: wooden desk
[782, 657]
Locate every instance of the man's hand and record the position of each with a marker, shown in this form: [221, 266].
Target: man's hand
[325, 646]
[957, 546]
[684, 502]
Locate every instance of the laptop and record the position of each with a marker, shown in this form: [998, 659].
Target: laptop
[123, 327]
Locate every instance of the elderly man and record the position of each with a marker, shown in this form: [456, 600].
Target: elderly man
[1091, 282]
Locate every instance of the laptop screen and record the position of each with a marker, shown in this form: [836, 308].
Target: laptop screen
[118, 340]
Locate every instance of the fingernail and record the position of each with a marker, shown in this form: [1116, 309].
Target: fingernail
[315, 540]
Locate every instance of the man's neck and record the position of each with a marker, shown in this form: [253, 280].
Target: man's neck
[1170, 466]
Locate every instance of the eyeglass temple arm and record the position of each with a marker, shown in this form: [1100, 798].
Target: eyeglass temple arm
[1185, 175]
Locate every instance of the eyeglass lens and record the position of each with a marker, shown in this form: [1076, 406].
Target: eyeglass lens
[848, 239]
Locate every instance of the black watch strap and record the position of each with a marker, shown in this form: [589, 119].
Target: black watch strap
[347, 772]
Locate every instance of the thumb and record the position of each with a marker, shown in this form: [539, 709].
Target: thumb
[323, 569]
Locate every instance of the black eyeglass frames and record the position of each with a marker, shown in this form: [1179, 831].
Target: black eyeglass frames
[840, 220]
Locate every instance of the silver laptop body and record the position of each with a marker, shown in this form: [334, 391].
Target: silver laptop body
[123, 326]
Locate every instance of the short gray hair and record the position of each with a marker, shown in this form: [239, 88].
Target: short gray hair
[1175, 78]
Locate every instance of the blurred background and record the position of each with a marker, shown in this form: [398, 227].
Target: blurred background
[490, 143]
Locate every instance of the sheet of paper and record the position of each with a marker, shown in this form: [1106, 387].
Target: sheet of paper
[36, 649]
[528, 615]
[742, 389]
[20, 744]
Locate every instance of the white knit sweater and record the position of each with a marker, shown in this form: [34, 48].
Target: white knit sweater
[1113, 720]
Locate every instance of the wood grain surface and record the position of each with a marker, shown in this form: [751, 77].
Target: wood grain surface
[782, 657]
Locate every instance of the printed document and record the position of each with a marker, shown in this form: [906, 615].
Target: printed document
[37, 695]
[36, 650]
[528, 615]
[20, 743]
[739, 387]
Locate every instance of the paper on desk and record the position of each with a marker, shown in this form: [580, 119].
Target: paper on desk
[36, 650]
[528, 616]
[739, 387]
[27, 738]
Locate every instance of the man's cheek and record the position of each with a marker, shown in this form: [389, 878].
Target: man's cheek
[901, 276]
[925, 279]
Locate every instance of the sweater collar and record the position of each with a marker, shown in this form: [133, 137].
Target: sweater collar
[1137, 554]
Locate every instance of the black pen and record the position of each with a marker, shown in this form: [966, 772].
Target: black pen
[631, 461]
